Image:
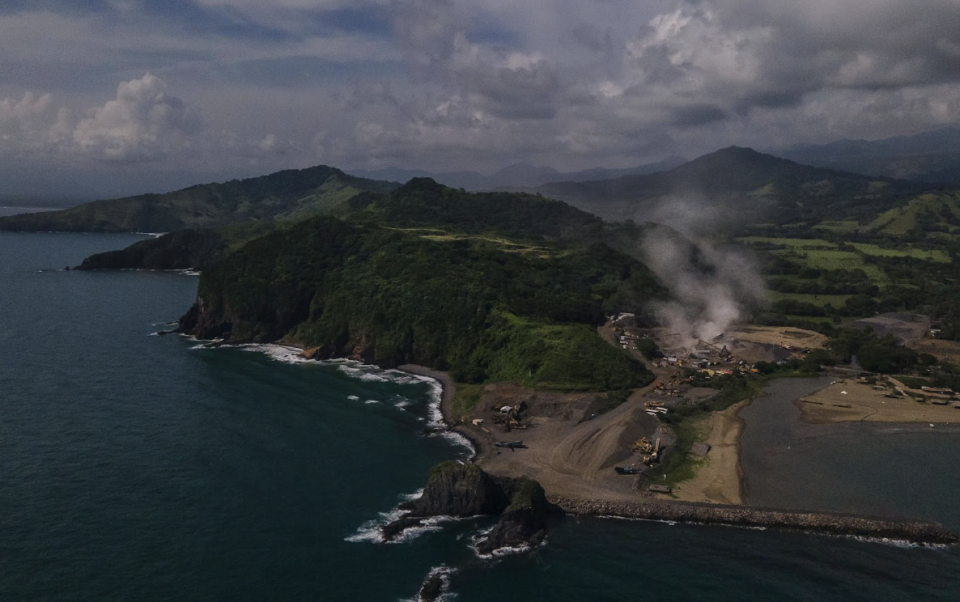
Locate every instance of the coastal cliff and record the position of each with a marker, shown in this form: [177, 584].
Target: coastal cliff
[483, 310]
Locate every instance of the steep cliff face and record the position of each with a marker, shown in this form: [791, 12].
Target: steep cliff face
[522, 523]
[460, 490]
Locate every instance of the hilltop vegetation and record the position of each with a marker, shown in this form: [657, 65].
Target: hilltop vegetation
[833, 246]
[499, 294]
[286, 195]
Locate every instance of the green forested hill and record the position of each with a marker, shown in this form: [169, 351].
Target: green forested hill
[285, 195]
[421, 202]
[510, 220]
[475, 305]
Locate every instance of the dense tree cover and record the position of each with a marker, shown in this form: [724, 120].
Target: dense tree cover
[465, 304]
[875, 354]
[422, 202]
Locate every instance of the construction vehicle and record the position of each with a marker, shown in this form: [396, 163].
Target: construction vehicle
[643, 444]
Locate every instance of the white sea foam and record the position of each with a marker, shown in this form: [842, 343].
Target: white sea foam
[352, 397]
[499, 552]
[429, 525]
[367, 372]
[371, 401]
[444, 572]
[280, 353]
[370, 531]
[409, 497]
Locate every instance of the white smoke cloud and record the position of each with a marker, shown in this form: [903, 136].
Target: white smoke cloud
[711, 288]
[142, 123]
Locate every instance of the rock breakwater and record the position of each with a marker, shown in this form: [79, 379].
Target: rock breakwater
[828, 523]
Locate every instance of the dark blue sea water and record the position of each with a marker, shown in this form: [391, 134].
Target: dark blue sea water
[138, 467]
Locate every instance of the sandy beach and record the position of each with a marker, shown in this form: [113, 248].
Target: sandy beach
[718, 478]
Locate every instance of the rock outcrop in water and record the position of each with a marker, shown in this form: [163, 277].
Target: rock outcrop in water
[461, 490]
[522, 523]
[464, 490]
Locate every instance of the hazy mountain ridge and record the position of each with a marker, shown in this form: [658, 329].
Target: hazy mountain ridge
[932, 156]
[517, 175]
[284, 195]
[743, 184]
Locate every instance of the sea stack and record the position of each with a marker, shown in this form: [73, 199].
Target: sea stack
[464, 490]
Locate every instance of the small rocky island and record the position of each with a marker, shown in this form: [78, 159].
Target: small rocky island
[464, 490]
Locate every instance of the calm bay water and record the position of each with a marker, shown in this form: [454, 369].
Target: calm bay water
[136, 467]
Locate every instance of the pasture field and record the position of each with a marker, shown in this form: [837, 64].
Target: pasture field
[835, 259]
[813, 299]
[926, 255]
[839, 226]
[791, 243]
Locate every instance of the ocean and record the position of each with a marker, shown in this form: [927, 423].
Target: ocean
[143, 467]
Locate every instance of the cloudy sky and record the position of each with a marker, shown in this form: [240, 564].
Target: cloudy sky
[110, 97]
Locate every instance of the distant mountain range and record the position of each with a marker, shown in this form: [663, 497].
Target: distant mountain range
[516, 176]
[736, 185]
[730, 186]
[932, 156]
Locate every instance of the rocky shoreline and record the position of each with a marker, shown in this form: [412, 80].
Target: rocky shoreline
[527, 525]
[825, 523]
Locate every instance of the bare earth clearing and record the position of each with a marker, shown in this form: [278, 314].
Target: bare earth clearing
[571, 456]
[850, 401]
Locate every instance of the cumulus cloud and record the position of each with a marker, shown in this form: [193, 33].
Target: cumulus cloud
[720, 60]
[32, 122]
[452, 84]
[143, 122]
